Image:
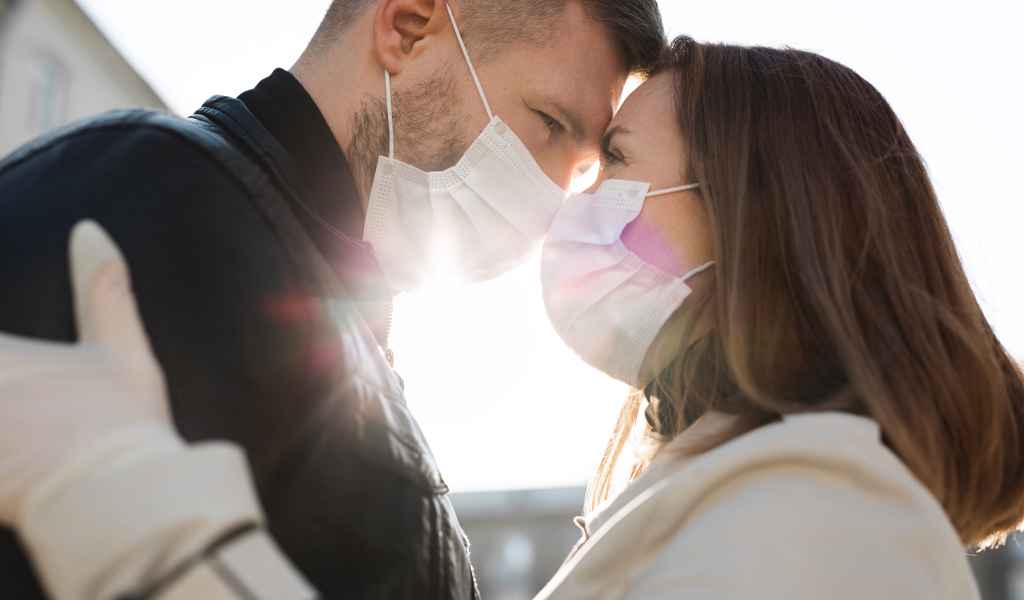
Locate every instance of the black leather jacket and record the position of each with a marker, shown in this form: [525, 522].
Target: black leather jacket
[262, 339]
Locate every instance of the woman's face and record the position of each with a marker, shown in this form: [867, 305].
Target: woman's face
[643, 143]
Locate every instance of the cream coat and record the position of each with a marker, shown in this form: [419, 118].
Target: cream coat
[814, 507]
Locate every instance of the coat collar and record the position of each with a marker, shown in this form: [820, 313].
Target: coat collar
[671, 456]
[634, 526]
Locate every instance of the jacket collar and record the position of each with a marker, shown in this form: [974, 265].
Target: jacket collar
[281, 126]
[352, 261]
[670, 457]
[290, 115]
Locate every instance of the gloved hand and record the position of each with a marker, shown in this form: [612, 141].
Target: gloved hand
[69, 408]
[103, 493]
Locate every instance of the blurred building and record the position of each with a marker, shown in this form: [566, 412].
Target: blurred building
[56, 67]
[519, 539]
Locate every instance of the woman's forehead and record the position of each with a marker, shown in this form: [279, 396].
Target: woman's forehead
[648, 107]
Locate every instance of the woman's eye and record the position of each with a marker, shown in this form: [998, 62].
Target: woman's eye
[610, 157]
[609, 154]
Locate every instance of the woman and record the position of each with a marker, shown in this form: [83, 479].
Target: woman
[827, 412]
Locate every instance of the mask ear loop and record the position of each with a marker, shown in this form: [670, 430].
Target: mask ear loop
[674, 190]
[666, 191]
[698, 271]
[391, 117]
[469, 62]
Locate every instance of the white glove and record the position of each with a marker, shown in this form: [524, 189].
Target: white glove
[101, 489]
[68, 408]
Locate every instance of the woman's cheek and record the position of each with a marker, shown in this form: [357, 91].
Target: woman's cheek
[671, 239]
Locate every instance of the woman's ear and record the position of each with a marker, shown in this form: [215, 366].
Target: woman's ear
[402, 30]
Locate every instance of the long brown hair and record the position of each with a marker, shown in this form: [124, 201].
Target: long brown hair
[837, 287]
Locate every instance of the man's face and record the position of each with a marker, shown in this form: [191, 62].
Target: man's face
[558, 98]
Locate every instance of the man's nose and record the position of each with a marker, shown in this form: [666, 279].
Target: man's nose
[575, 169]
[593, 189]
[558, 169]
[585, 177]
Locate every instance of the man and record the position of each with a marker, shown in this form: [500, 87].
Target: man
[244, 229]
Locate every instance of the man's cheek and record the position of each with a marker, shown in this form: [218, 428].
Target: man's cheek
[558, 167]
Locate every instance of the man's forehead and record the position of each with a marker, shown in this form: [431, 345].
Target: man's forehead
[589, 70]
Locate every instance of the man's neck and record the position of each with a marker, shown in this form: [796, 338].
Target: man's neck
[339, 86]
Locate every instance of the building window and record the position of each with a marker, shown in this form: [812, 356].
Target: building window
[49, 93]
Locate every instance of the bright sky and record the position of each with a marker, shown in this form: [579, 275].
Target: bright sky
[503, 403]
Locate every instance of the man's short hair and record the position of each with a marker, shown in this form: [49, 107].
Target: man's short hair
[491, 25]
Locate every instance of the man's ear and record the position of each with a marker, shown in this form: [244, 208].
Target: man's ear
[403, 29]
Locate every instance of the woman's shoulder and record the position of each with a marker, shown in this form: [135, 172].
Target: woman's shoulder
[809, 505]
[831, 466]
[814, 506]
[831, 451]
[814, 476]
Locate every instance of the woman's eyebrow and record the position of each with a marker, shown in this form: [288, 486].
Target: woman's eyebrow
[609, 135]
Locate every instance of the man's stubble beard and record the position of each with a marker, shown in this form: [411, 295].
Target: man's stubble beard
[428, 130]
